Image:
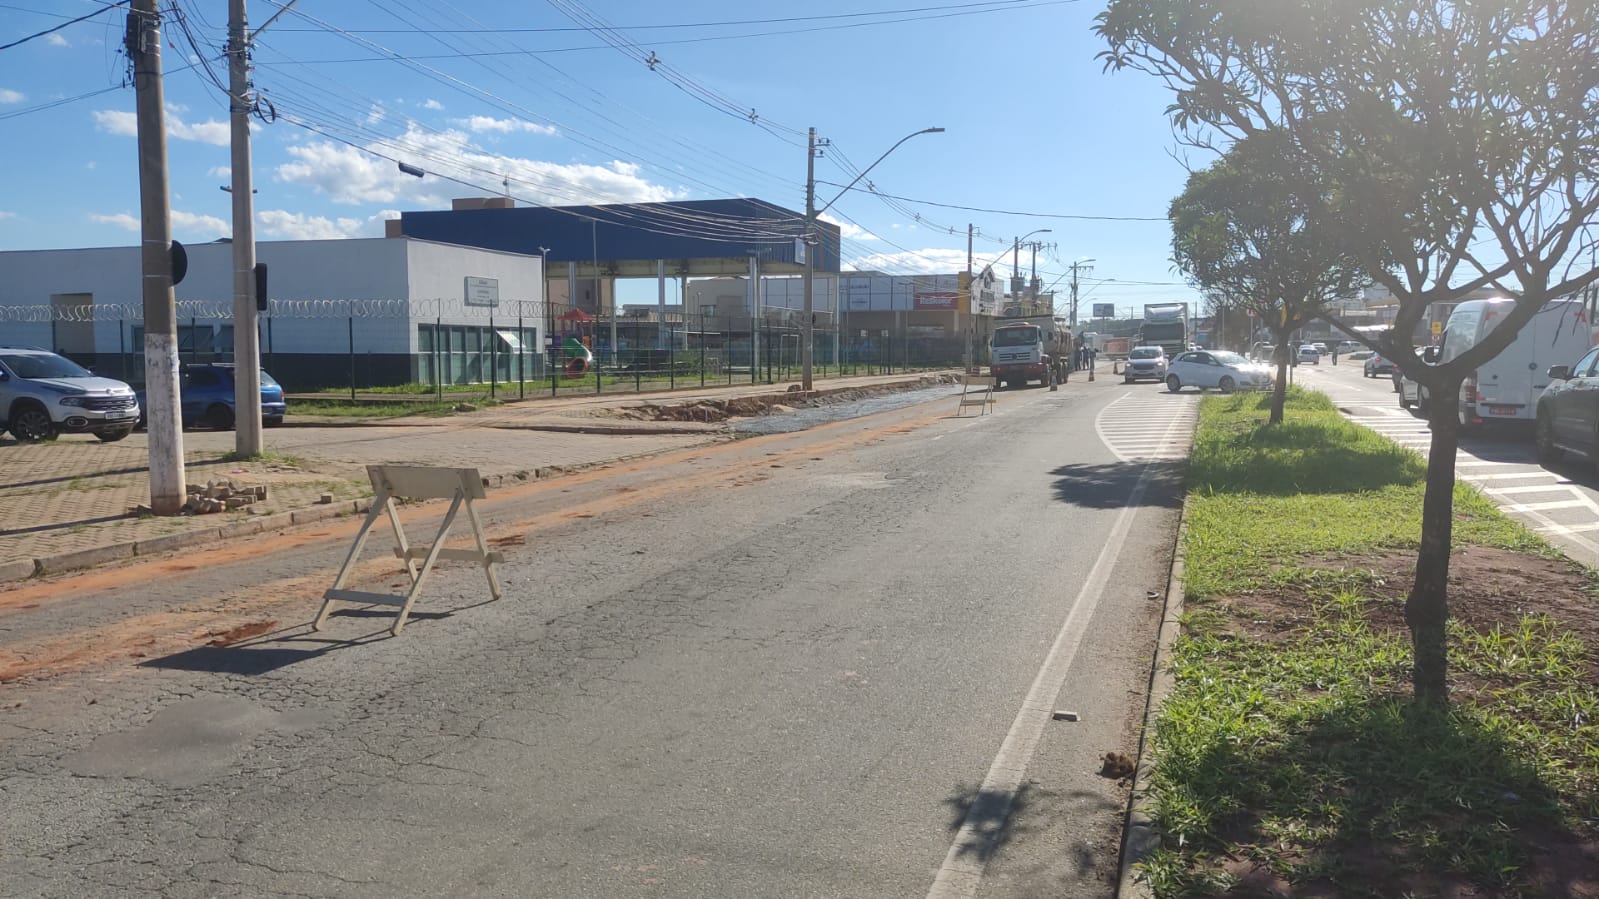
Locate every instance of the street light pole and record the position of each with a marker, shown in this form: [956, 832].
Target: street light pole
[810, 232]
[247, 437]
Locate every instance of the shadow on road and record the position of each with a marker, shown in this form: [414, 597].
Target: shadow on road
[1107, 485]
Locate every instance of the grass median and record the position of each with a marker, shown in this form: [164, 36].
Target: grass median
[1288, 757]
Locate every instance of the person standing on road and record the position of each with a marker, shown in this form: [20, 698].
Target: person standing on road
[1335, 354]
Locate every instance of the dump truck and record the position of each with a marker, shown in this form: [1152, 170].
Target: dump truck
[1029, 348]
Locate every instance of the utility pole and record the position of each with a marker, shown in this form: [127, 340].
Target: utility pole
[971, 301]
[808, 326]
[247, 438]
[1077, 266]
[1033, 283]
[167, 488]
[1016, 270]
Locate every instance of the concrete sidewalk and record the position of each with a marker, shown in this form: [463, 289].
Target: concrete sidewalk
[68, 504]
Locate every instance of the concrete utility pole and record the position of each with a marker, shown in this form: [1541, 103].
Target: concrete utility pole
[247, 438]
[808, 326]
[971, 302]
[1079, 265]
[167, 493]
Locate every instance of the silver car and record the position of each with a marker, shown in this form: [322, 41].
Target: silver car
[1144, 362]
[43, 395]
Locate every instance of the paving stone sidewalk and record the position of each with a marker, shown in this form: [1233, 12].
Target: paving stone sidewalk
[62, 501]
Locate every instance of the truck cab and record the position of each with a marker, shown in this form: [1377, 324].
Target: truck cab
[1025, 350]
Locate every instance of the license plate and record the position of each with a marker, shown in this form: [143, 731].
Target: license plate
[1502, 410]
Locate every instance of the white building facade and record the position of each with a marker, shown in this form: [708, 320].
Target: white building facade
[390, 310]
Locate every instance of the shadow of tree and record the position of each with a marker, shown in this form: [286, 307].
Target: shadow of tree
[1107, 485]
[1384, 797]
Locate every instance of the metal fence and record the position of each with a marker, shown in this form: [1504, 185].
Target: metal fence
[372, 349]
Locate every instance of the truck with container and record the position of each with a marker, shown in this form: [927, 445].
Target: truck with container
[1029, 348]
[1115, 347]
[1166, 325]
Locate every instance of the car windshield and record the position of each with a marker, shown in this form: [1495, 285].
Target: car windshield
[1229, 358]
[43, 365]
[1016, 336]
[1145, 352]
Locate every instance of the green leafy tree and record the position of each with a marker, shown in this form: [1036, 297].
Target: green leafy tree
[1460, 142]
[1254, 227]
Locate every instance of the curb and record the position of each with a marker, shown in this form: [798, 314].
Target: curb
[22, 569]
[1139, 836]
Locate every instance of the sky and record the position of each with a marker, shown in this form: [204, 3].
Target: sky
[556, 103]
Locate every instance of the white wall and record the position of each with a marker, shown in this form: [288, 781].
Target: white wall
[364, 269]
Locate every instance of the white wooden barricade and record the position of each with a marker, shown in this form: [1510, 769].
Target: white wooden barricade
[976, 390]
[389, 482]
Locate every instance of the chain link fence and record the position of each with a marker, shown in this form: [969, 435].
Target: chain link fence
[371, 350]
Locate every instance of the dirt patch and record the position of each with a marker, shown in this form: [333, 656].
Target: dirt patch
[241, 632]
[708, 411]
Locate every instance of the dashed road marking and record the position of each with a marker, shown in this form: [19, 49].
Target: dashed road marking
[1141, 426]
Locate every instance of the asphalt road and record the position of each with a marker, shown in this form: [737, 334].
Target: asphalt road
[811, 664]
[1561, 503]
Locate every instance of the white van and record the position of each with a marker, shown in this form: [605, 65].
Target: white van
[1507, 387]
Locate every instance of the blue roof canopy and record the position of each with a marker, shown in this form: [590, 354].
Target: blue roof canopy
[695, 237]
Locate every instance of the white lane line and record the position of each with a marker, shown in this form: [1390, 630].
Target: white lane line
[1568, 530]
[968, 854]
[1526, 488]
[1510, 476]
[1545, 507]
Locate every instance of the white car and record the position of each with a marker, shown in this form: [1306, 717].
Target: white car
[1309, 353]
[1145, 362]
[1219, 369]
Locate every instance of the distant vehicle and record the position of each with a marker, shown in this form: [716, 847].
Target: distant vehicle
[43, 395]
[1350, 346]
[1115, 346]
[1309, 353]
[1264, 352]
[1410, 392]
[1508, 386]
[1166, 326]
[206, 397]
[1029, 349]
[1144, 362]
[1219, 369]
[1320, 347]
[1377, 365]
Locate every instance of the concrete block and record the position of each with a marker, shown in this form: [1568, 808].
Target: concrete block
[276, 521]
[306, 516]
[86, 558]
[170, 542]
[241, 528]
[239, 502]
[17, 570]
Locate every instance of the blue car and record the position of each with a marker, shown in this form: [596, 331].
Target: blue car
[206, 395]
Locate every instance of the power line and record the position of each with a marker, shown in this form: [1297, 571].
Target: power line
[997, 6]
[1043, 215]
[48, 31]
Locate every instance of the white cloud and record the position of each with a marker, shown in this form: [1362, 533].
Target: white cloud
[121, 220]
[115, 121]
[285, 225]
[432, 104]
[907, 262]
[185, 224]
[208, 226]
[126, 124]
[354, 177]
[482, 123]
[376, 114]
[847, 230]
[6, 215]
[220, 171]
[56, 40]
[11, 96]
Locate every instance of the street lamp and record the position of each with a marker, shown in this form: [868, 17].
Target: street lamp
[811, 212]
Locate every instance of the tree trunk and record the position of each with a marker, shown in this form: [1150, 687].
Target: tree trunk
[1427, 608]
[1279, 390]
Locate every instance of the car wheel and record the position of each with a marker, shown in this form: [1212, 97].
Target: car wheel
[1467, 426]
[219, 418]
[1403, 403]
[1226, 384]
[1544, 440]
[31, 424]
[113, 436]
[1423, 403]
[273, 422]
[1174, 383]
